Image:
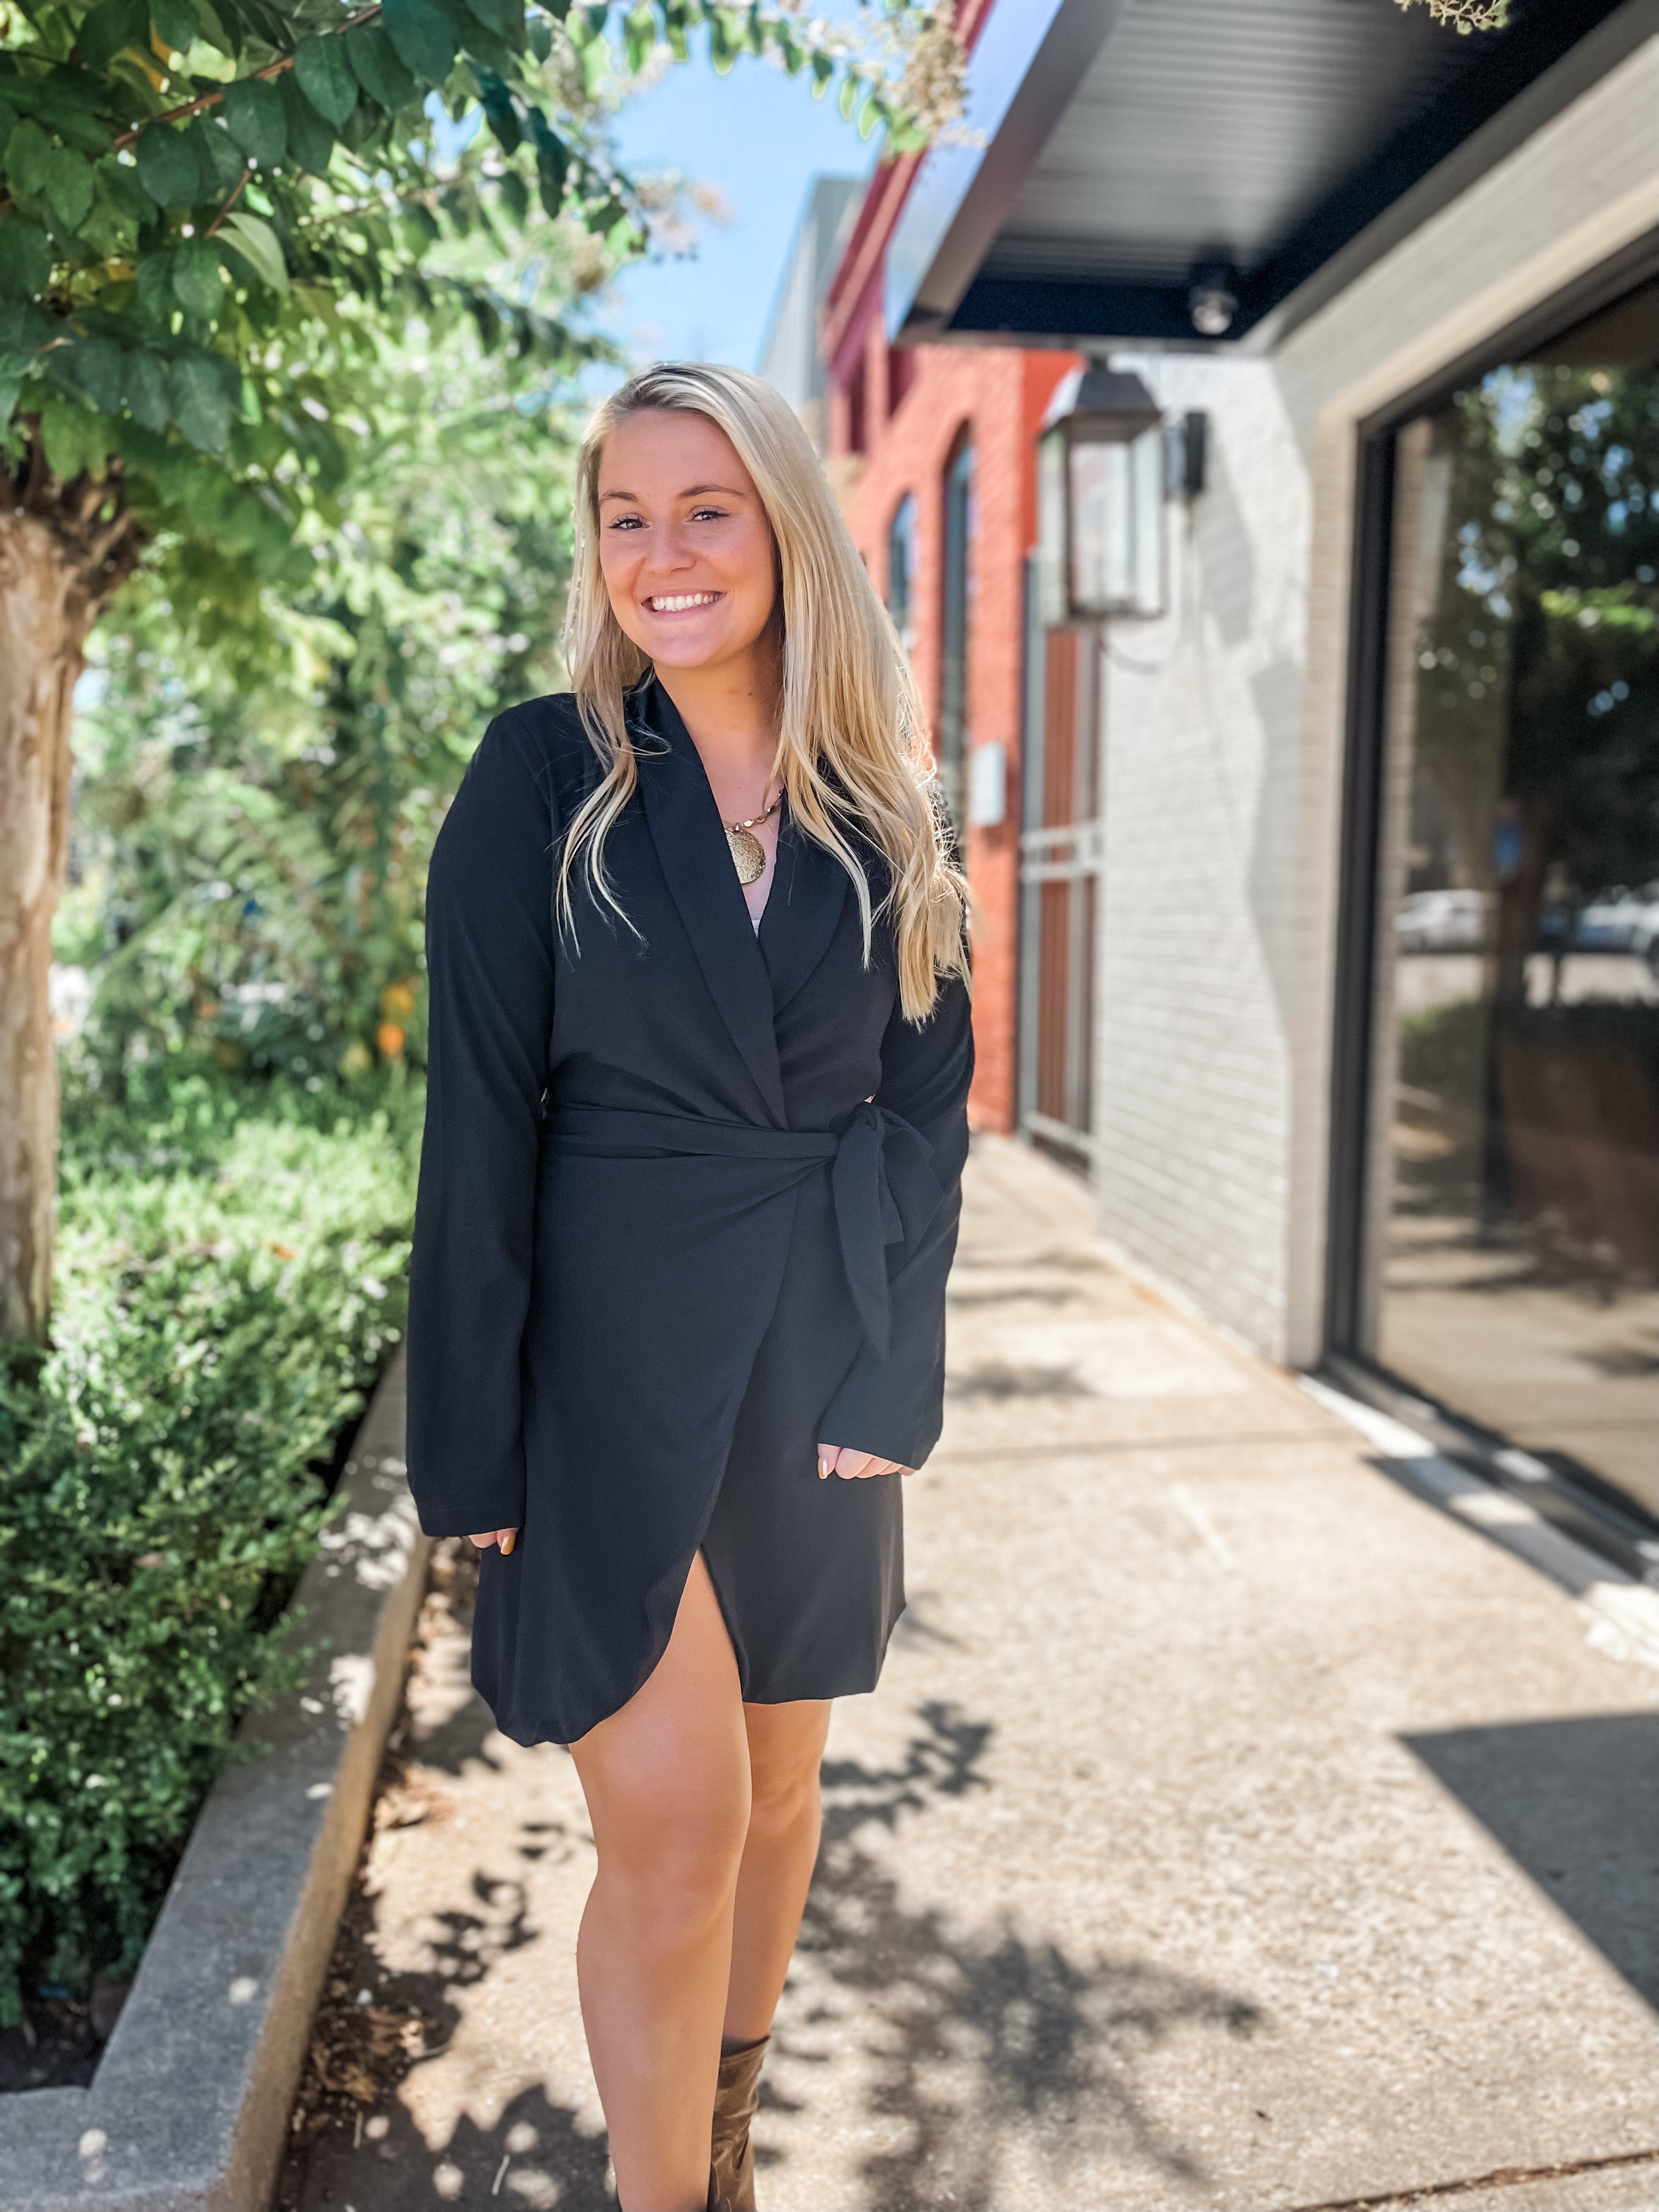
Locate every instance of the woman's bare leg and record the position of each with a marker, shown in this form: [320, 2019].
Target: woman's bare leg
[667, 1781]
[785, 1750]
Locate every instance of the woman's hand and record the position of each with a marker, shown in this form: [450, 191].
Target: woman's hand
[506, 1538]
[852, 1466]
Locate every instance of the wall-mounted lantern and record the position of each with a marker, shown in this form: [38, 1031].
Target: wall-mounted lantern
[1101, 486]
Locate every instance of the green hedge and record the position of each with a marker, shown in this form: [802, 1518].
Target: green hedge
[230, 1280]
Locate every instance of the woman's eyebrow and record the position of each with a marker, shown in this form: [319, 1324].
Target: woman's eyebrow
[691, 491]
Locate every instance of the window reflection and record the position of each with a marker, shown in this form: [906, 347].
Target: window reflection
[1517, 1239]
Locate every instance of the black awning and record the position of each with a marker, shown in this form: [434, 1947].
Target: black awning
[1266, 148]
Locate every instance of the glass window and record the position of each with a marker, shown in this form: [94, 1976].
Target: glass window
[901, 571]
[958, 610]
[1514, 1212]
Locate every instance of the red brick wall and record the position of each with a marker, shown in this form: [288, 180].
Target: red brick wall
[999, 393]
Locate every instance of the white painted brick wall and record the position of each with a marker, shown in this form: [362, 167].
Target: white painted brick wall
[1224, 729]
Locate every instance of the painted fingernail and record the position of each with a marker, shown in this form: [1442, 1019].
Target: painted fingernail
[508, 1542]
[823, 1471]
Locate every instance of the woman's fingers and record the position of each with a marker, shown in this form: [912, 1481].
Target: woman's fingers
[852, 1466]
[506, 1538]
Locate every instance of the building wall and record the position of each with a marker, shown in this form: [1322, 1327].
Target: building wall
[789, 356]
[999, 395]
[1224, 726]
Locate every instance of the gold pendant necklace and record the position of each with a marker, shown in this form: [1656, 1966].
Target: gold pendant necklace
[748, 854]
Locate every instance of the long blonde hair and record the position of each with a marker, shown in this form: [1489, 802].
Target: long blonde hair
[852, 739]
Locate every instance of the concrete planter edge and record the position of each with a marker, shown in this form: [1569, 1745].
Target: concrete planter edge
[188, 2110]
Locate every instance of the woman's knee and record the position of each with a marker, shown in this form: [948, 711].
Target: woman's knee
[783, 1769]
[672, 1844]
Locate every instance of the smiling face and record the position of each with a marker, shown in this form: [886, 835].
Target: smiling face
[684, 543]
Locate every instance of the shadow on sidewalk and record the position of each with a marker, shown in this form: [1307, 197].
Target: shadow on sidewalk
[1575, 1803]
[972, 2041]
[976, 2036]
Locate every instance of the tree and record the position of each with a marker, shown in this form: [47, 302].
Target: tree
[253, 829]
[212, 212]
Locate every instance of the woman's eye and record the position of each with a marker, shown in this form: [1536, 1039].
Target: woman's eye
[708, 514]
[627, 522]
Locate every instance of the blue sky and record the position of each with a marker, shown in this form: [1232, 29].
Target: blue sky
[758, 137]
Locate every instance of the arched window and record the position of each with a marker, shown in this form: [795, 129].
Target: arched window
[958, 620]
[901, 570]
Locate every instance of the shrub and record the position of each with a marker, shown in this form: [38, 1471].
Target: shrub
[231, 1279]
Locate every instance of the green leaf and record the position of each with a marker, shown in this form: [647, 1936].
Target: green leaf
[323, 73]
[253, 115]
[25, 259]
[155, 286]
[23, 329]
[420, 32]
[200, 405]
[50, 174]
[146, 390]
[167, 166]
[514, 197]
[121, 181]
[96, 365]
[310, 140]
[13, 367]
[849, 97]
[378, 70]
[66, 101]
[198, 285]
[74, 437]
[111, 26]
[499, 111]
[541, 37]
[29, 154]
[175, 23]
[501, 16]
[218, 156]
[258, 245]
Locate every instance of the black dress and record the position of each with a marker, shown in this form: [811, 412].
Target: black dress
[662, 1247]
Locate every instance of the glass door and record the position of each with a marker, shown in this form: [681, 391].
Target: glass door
[1511, 1254]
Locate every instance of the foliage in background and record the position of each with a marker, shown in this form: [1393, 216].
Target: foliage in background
[251, 840]
[208, 203]
[1465, 16]
[1538, 667]
[233, 1283]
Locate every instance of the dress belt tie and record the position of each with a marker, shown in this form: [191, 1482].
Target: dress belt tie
[881, 1176]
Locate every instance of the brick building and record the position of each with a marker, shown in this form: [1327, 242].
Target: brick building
[933, 452]
[1319, 899]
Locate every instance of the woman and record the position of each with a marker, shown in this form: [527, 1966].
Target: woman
[698, 1065]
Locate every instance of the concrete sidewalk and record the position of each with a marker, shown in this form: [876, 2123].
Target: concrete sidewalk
[1233, 1828]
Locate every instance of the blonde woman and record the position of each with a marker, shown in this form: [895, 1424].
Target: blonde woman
[699, 1063]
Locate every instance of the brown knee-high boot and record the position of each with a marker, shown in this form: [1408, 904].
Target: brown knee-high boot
[732, 2168]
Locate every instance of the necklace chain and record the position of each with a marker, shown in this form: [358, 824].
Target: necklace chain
[754, 818]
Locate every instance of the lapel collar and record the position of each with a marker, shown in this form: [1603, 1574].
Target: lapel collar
[809, 888]
[685, 829]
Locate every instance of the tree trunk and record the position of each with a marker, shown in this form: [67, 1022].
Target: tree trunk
[46, 612]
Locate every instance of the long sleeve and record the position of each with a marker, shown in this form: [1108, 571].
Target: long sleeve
[895, 1406]
[491, 951]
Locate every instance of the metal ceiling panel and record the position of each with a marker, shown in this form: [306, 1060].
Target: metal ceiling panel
[1209, 130]
[1286, 141]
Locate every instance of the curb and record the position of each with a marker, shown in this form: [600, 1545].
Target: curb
[188, 2110]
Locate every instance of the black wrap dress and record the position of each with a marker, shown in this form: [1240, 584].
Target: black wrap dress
[663, 1246]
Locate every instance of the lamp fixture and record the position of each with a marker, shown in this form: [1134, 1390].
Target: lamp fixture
[1101, 492]
[1211, 301]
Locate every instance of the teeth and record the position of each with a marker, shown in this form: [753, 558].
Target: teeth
[683, 599]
